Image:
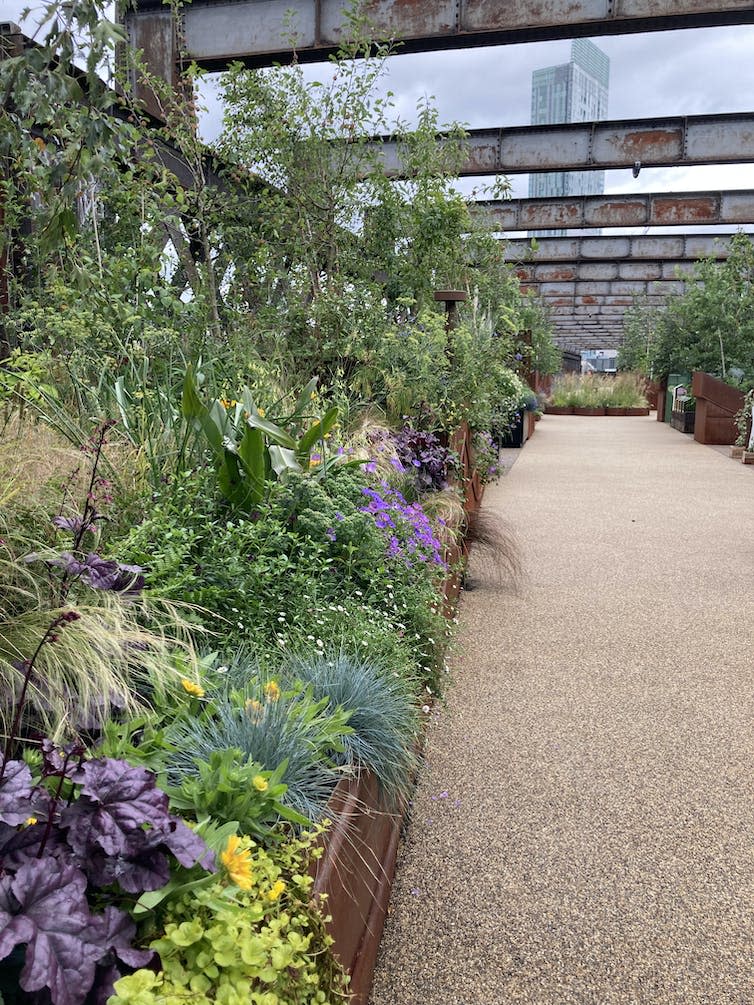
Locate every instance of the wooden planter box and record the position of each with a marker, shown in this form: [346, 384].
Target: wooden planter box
[637, 411]
[558, 409]
[683, 421]
[615, 411]
[747, 457]
[588, 411]
[737, 453]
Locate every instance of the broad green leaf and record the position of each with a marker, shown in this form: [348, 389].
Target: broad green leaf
[193, 408]
[251, 452]
[283, 460]
[305, 397]
[273, 432]
[316, 432]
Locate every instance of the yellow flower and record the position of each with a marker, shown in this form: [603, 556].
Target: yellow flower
[272, 690]
[30, 821]
[237, 861]
[261, 412]
[191, 688]
[252, 705]
[228, 402]
[275, 890]
[259, 783]
[313, 395]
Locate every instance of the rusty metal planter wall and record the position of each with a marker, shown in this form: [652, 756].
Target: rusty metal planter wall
[357, 867]
[716, 407]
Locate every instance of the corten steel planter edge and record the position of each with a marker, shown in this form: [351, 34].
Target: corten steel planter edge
[357, 867]
[716, 406]
[637, 411]
[558, 409]
[617, 410]
[356, 872]
[578, 410]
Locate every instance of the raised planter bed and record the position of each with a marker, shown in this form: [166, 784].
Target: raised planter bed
[615, 411]
[578, 410]
[737, 452]
[683, 421]
[637, 411]
[558, 409]
[357, 867]
[356, 874]
[747, 457]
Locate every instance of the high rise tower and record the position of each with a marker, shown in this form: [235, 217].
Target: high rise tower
[573, 92]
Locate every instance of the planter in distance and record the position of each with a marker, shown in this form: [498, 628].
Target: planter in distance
[683, 421]
[558, 409]
[637, 411]
[737, 453]
[616, 410]
[588, 411]
[516, 435]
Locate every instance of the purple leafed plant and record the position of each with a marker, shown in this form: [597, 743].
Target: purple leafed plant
[423, 454]
[112, 832]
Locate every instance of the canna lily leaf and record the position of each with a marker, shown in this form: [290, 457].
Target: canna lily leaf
[274, 433]
[316, 432]
[305, 398]
[283, 460]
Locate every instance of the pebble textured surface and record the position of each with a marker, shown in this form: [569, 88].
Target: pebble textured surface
[583, 829]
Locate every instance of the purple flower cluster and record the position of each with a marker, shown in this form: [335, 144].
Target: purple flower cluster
[407, 530]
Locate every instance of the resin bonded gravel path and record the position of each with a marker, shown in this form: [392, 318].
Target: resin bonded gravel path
[583, 829]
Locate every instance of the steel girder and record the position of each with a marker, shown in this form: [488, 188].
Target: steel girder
[648, 271]
[260, 32]
[644, 209]
[724, 138]
[638, 247]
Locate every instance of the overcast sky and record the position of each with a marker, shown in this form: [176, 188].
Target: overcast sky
[664, 73]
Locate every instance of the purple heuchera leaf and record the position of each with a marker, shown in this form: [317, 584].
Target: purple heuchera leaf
[116, 800]
[120, 828]
[97, 572]
[69, 523]
[15, 793]
[117, 932]
[44, 907]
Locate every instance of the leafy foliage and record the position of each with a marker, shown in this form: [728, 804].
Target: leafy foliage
[382, 713]
[112, 833]
[253, 936]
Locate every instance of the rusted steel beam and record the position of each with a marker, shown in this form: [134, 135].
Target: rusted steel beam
[644, 209]
[725, 138]
[611, 288]
[260, 33]
[674, 248]
[604, 270]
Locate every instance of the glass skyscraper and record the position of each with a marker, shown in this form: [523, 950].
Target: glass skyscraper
[573, 92]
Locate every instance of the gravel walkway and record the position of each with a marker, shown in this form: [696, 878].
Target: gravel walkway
[583, 830]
